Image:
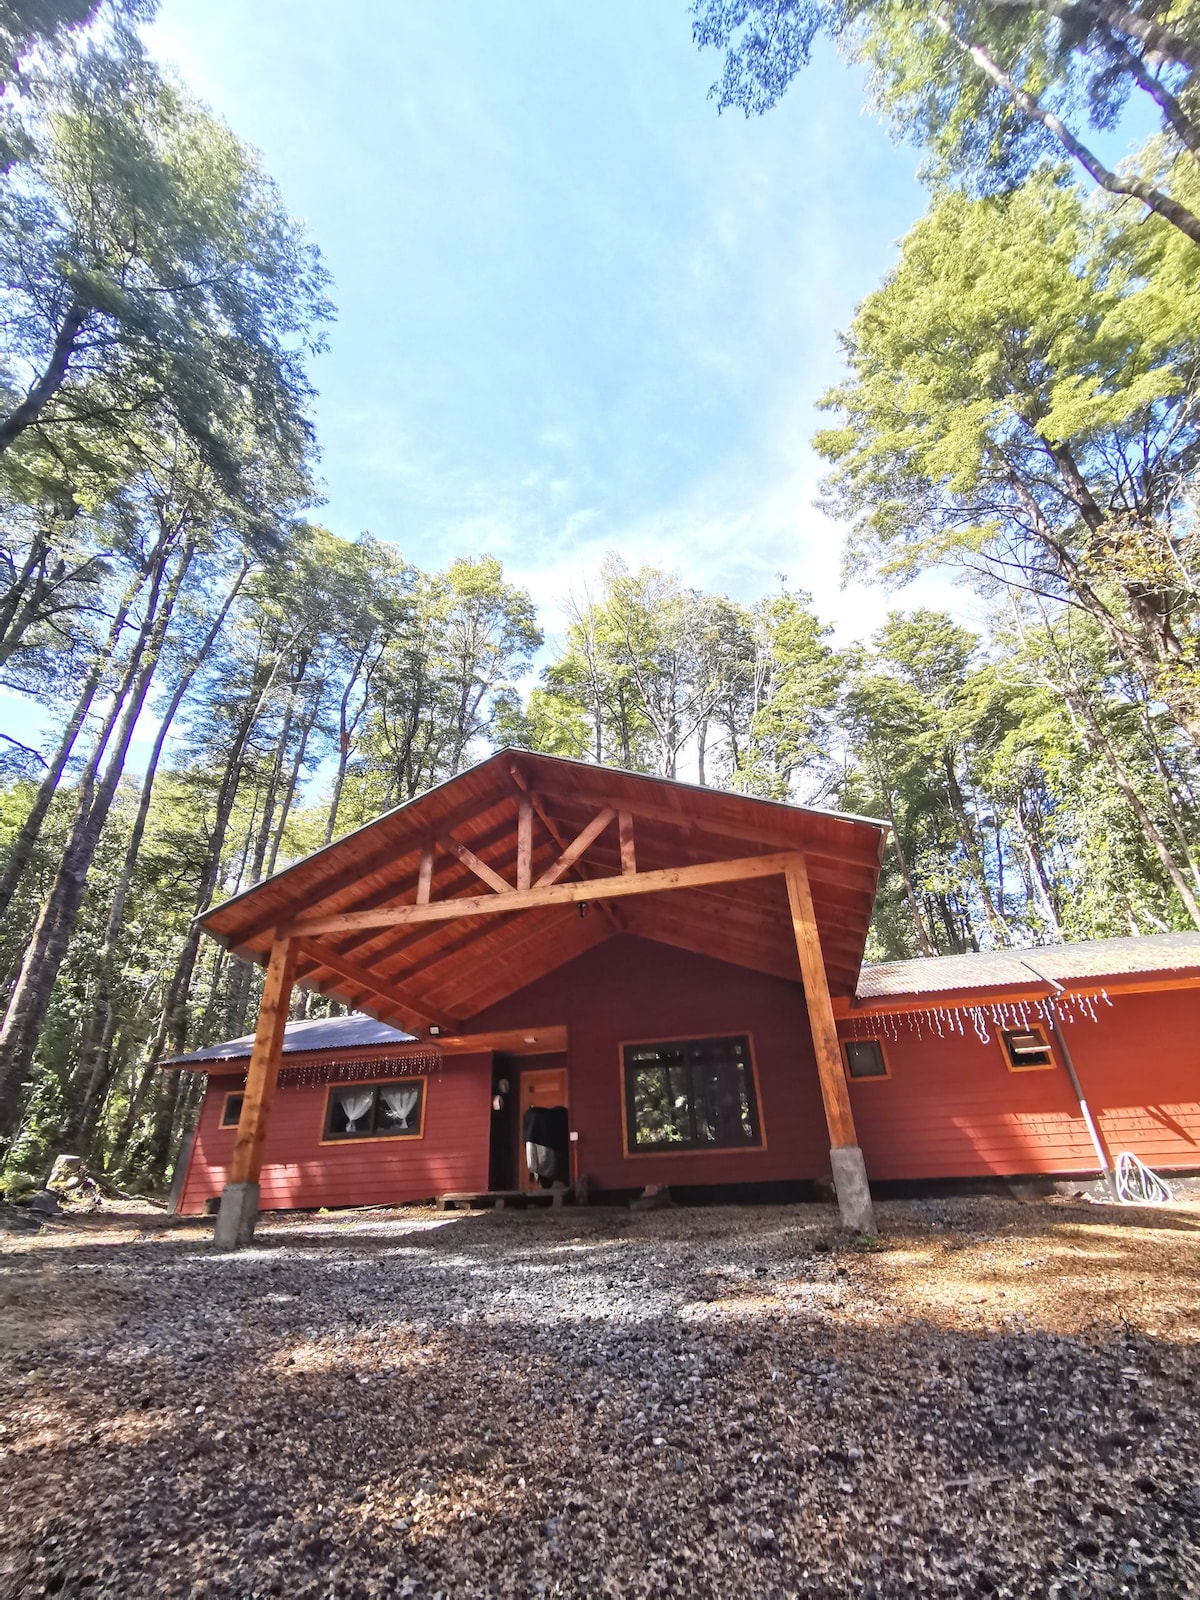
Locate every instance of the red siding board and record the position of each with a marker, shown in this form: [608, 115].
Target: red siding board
[299, 1171]
[634, 989]
[951, 1107]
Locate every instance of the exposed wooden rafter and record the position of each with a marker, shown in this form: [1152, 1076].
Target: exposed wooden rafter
[406, 1004]
[473, 864]
[553, 894]
[576, 848]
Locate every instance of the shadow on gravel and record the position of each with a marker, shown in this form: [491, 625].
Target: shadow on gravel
[480, 1406]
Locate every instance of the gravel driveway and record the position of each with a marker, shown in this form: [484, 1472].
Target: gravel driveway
[1002, 1399]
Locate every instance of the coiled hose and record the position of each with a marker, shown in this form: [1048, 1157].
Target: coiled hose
[1137, 1185]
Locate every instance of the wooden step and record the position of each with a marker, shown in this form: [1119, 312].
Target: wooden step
[500, 1199]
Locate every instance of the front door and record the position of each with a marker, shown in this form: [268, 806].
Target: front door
[542, 1086]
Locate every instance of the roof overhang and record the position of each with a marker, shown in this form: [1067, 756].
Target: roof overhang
[460, 842]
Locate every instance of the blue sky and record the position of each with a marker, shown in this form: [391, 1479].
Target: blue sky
[578, 310]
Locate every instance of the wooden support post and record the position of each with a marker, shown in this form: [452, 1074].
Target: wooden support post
[628, 852]
[524, 842]
[425, 875]
[849, 1170]
[239, 1201]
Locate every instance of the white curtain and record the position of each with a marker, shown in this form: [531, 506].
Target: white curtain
[355, 1103]
[401, 1103]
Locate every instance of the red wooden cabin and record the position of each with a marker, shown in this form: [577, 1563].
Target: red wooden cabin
[681, 969]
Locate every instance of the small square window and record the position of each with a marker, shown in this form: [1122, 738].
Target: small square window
[1026, 1049]
[232, 1111]
[864, 1058]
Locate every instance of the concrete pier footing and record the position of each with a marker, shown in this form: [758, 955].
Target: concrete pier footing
[237, 1216]
[853, 1190]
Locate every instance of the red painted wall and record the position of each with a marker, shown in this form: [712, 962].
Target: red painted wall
[630, 989]
[951, 1107]
[299, 1171]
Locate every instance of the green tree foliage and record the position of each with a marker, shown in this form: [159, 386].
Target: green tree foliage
[150, 281]
[27, 26]
[1021, 403]
[990, 87]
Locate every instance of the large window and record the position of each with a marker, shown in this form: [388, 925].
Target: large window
[375, 1110]
[690, 1094]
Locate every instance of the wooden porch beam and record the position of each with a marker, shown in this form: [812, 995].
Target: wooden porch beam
[554, 894]
[576, 848]
[472, 862]
[409, 1007]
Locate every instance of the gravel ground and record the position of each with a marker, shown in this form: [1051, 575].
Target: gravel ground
[1000, 1399]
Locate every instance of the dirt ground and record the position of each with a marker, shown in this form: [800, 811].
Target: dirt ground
[999, 1399]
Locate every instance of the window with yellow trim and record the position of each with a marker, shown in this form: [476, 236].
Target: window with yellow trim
[1026, 1049]
[864, 1058]
[375, 1110]
[691, 1094]
[232, 1110]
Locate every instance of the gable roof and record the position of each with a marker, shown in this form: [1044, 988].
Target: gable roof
[450, 971]
[988, 970]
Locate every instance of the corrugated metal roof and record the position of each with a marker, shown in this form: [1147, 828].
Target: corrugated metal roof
[317, 1033]
[1065, 963]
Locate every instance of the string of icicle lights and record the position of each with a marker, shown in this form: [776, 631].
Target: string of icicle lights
[361, 1070]
[945, 1022]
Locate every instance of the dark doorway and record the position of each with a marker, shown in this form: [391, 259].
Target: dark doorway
[507, 1159]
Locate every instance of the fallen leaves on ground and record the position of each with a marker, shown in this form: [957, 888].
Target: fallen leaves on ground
[1001, 1399]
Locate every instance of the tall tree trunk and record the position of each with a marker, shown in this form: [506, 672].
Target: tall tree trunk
[970, 846]
[51, 381]
[1038, 879]
[928, 947]
[158, 1146]
[1169, 795]
[347, 727]
[47, 948]
[89, 1081]
[289, 793]
[1101, 745]
[276, 773]
[30, 830]
[172, 1029]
